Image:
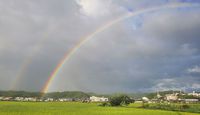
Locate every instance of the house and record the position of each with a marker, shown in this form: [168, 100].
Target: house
[191, 100]
[171, 97]
[19, 99]
[98, 99]
[194, 94]
[145, 99]
[30, 99]
[158, 95]
[7, 99]
[65, 99]
[49, 99]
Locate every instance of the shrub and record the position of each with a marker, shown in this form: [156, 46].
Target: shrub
[146, 105]
[185, 106]
[120, 100]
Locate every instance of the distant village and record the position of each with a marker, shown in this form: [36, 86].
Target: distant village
[36, 99]
[194, 97]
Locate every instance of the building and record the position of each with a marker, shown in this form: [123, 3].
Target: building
[145, 99]
[65, 99]
[49, 99]
[30, 99]
[158, 95]
[191, 100]
[19, 98]
[7, 99]
[194, 94]
[171, 97]
[98, 99]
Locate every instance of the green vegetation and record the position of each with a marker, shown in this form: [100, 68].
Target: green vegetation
[76, 108]
[67, 94]
[194, 108]
[79, 94]
[20, 94]
[120, 100]
[55, 95]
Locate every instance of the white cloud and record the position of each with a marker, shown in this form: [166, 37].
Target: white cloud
[101, 9]
[166, 84]
[94, 8]
[195, 69]
[176, 83]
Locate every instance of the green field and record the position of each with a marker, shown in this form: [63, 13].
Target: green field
[75, 108]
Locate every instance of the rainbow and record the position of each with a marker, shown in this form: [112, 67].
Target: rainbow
[84, 39]
[25, 64]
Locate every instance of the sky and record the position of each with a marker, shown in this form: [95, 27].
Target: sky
[156, 50]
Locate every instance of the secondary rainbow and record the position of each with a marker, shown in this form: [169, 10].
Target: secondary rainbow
[84, 39]
[28, 61]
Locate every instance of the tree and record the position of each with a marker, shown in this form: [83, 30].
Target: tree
[120, 100]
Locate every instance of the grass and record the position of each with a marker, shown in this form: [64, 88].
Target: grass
[193, 108]
[75, 108]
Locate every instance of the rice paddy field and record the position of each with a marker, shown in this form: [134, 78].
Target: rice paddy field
[75, 108]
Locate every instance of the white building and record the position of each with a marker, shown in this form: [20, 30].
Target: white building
[158, 95]
[194, 94]
[191, 100]
[145, 99]
[49, 99]
[7, 98]
[98, 99]
[65, 99]
[171, 97]
[30, 99]
[19, 99]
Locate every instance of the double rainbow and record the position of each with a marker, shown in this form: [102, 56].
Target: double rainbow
[84, 39]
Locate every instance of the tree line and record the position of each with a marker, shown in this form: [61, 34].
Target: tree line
[55, 95]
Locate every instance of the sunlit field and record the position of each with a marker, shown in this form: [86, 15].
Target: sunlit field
[75, 108]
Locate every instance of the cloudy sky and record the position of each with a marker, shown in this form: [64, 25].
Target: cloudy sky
[156, 50]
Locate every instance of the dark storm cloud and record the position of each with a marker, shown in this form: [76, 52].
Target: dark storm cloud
[155, 55]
